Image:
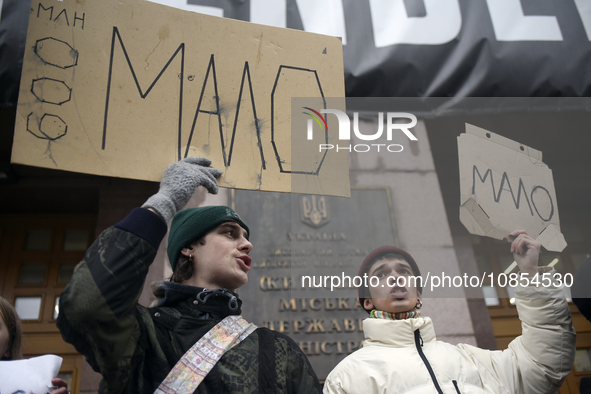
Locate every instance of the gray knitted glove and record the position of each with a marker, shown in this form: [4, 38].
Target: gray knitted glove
[179, 182]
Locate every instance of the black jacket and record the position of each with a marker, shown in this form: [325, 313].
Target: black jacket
[134, 347]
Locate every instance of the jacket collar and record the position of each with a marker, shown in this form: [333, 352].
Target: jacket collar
[397, 333]
[218, 301]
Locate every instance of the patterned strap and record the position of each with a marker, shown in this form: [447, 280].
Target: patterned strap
[196, 363]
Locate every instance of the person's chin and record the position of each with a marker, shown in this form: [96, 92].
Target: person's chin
[402, 305]
[242, 280]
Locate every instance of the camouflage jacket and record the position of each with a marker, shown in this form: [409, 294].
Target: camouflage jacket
[134, 347]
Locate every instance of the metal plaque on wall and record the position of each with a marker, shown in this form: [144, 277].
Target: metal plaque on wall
[307, 252]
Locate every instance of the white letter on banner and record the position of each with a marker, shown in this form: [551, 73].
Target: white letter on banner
[584, 7]
[323, 17]
[391, 25]
[268, 12]
[344, 123]
[184, 5]
[510, 24]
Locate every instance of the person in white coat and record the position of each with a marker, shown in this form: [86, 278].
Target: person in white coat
[400, 353]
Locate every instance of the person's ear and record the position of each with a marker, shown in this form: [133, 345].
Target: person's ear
[187, 251]
[368, 304]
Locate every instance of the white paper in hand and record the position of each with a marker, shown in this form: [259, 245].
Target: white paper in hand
[29, 376]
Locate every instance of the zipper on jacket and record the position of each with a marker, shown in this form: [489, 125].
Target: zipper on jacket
[456, 386]
[419, 344]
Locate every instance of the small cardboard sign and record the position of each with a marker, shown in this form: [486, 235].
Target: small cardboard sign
[505, 186]
[125, 88]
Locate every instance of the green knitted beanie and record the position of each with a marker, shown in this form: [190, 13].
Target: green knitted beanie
[191, 224]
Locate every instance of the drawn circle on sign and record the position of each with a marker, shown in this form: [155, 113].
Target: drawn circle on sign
[543, 204]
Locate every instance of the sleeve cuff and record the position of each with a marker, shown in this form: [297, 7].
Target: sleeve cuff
[144, 224]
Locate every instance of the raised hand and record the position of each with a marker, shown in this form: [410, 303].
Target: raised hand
[179, 182]
[526, 251]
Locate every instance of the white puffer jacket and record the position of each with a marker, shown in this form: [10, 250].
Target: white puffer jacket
[403, 356]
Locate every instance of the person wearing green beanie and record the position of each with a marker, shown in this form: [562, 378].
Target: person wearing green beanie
[196, 313]
[191, 224]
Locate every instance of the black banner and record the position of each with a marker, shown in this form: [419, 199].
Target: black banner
[406, 48]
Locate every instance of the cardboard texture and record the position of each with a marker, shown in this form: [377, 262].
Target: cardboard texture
[124, 88]
[505, 186]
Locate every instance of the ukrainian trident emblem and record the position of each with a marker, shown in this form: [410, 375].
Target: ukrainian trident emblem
[314, 211]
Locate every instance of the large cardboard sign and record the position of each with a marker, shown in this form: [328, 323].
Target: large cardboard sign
[124, 88]
[505, 186]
